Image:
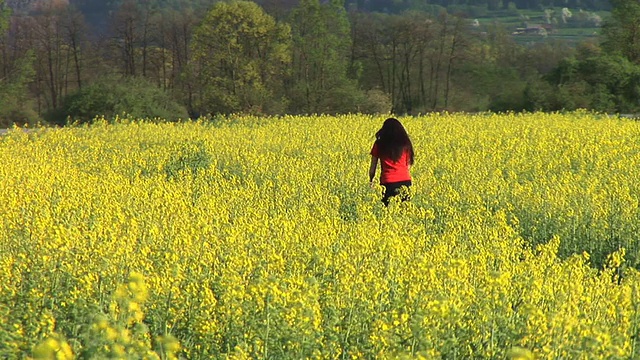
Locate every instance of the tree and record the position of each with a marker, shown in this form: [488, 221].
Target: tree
[370, 39]
[5, 13]
[127, 29]
[74, 30]
[621, 33]
[46, 37]
[490, 76]
[411, 48]
[241, 54]
[600, 81]
[16, 74]
[452, 42]
[321, 53]
[176, 31]
[413, 57]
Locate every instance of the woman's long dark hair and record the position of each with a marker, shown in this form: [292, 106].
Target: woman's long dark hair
[393, 140]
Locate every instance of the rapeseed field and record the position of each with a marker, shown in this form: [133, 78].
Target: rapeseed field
[253, 237]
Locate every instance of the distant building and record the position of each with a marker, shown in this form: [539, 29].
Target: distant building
[542, 30]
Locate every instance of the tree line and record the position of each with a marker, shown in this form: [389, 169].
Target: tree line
[309, 57]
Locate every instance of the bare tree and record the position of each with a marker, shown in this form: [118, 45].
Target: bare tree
[48, 43]
[451, 44]
[396, 50]
[74, 31]
[126, 29]
[176, 30]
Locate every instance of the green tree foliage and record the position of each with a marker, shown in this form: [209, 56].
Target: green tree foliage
[492, 79]
[603, 82]
[14, 96]
[322, 43]
[15, 103]
[621, 33]
[4, 17]
[109, 97]
[241, 55]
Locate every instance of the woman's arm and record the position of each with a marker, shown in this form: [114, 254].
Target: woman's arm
[372, 168]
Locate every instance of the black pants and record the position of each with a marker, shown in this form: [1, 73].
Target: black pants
[393, 189]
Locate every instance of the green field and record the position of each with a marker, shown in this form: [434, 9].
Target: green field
[573, 30]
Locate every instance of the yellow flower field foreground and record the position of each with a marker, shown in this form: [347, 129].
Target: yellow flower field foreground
[261, 238]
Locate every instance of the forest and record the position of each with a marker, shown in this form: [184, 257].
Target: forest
[67, 61]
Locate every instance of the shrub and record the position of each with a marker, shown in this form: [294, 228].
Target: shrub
[138, 98]
[376, 101]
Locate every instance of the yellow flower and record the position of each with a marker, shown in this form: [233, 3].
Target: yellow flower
[53, 348]
[518, 353]
[223, 241]
[169, 344]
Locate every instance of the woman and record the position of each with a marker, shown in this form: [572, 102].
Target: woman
[394, 150]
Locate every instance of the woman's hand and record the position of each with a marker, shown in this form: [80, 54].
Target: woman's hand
[372, 169]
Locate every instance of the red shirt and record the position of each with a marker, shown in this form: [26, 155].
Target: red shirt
[393, 171]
